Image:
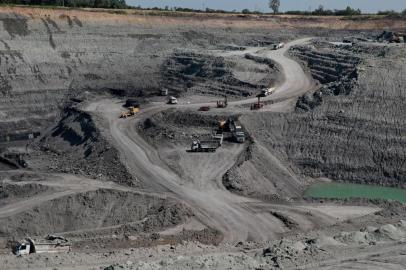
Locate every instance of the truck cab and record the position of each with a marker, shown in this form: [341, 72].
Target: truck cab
[267, 91]
[172, 100]
[23, 249]
[195, 146]
[277, 46]
[264, 92]
[239, 135]
[164, 92]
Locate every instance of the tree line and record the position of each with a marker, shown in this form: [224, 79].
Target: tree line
[70, 3]
[320, 11]
[273, 5]
[392, 13]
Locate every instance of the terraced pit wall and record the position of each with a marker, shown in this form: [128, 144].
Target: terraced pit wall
[352, 128]
[48, 56]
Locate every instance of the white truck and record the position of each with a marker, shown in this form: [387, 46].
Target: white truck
[267, 91]
[277, 46]
[172, 100]
[239, 135]
[204, 146]
[51, 244]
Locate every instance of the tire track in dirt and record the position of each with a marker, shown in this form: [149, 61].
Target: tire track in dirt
[65, 185]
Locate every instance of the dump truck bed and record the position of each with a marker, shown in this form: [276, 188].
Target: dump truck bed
[209, 144]
[206, 146]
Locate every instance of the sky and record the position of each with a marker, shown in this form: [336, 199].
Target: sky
[367, 6]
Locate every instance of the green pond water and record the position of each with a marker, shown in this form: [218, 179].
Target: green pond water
[344, 191]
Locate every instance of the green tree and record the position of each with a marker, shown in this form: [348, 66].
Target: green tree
[348, 12]
[274, 5]
[117, 4]
[404, 12]
[246, 11]
[319, 11]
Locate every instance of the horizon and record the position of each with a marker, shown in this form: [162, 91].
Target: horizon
[366, 6]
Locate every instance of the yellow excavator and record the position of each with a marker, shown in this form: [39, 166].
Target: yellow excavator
[131, 112]
[222, 125]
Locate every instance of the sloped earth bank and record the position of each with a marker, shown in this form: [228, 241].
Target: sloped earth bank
[37, 204]
[76, 146]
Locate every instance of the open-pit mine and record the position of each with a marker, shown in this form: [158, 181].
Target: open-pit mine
[136, 140]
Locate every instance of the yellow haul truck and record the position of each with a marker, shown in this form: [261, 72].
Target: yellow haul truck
[131, 112]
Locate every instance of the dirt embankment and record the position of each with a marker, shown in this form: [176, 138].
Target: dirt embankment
[10, 192]
[90, 211]
[259, 173]
[76, 146]
[178, 127]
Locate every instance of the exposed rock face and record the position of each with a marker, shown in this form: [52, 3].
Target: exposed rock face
[216, 75]
[327, 65]
[336, 71]
[354, 134]
[76, 146]
[45, 60]
[50, 56]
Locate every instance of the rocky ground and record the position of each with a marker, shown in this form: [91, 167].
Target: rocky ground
[338, 132]
[128, 194]
[381, 247]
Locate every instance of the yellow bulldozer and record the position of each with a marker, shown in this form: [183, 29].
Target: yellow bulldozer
[131, 112]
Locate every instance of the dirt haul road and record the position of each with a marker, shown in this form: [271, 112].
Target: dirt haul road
[296, 82]
[64, 185]
[238, 218]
